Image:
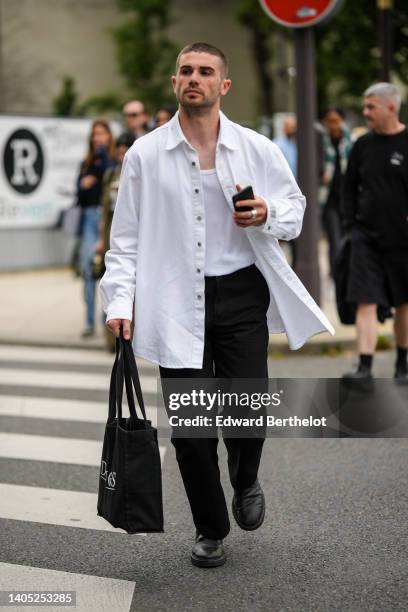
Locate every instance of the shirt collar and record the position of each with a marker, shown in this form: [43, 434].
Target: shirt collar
[226, 137]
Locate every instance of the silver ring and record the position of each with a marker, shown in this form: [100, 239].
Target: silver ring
[254, 213]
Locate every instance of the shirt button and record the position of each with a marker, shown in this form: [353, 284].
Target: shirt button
[198, 270]
[199, 297]
[196, 190]
[193, 163]
[269, 227]
[199, 244]
[198, 218]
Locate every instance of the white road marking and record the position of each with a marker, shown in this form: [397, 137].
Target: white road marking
[93, 593]
[51, 506]
[64, 379]
[46, 448]
[66, 355]
[62, 409]
[55, 450]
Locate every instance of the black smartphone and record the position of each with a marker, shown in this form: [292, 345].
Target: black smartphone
[245, 194]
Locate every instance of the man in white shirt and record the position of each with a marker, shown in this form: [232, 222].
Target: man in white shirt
[207, 281]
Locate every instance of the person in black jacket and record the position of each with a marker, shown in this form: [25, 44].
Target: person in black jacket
[89, 185]
[110, 187]
[336, 150]
[375, 212]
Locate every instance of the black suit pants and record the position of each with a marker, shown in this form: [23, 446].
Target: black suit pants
[236, 346]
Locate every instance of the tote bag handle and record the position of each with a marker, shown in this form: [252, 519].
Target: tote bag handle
[132, 375]
[124, 371]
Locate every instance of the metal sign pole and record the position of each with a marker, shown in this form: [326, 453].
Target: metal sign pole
[302, 15]
[385, 37]
[307, 259]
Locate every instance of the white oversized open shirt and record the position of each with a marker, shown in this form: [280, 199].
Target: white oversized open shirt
[156, 257]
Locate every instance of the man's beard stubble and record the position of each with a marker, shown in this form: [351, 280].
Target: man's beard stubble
[196, 110]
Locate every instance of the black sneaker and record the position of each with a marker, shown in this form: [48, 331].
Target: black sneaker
[401, 375]
[207, 552]
[360, 378]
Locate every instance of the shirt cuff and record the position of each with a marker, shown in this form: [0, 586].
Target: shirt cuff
[119, 309]
[271, 218]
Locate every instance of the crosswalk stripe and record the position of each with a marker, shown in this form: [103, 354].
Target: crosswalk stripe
[9, 352]
[52, 449]
[52, 507]
[46, 448]
[93, 593]
[66, 380]
[60, 409]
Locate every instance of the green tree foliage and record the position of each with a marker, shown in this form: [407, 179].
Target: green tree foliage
[64, 104]
[348, 56]
[347, 53]
[145, 54]
[251, 16]
[100, 104]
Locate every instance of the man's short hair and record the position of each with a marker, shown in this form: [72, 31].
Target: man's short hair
[385, 90]
[201, 47]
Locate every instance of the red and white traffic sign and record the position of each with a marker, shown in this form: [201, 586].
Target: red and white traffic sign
[300, 13]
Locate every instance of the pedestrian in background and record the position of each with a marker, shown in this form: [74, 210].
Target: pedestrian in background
[110, 188]
[163, 115]
[136, 118]
[336, 144]
[375, 209]
[287, 143]
[89, 188]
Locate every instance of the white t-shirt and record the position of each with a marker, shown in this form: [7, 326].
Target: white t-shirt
[227, 247]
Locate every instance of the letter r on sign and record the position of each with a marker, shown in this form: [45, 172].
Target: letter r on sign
[25, 155]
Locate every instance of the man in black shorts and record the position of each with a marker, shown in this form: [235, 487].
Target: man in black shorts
[375, 209]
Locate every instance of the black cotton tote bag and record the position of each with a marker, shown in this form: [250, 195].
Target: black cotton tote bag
[130, 486]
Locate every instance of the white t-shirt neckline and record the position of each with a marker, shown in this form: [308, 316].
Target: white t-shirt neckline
[227, 248]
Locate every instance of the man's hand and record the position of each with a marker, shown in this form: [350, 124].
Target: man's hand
[248, 218]
[114, 326]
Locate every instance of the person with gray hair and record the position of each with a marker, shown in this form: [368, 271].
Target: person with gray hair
[385, 90]
[375, 213]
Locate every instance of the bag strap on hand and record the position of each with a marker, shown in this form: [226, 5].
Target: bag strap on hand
[132, 375]
[125, 371]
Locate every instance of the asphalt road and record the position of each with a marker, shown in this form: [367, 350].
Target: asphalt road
[334, 536]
